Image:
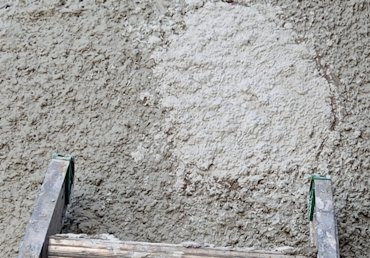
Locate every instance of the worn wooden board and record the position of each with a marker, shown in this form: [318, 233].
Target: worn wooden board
[74, 246]
[47, 215]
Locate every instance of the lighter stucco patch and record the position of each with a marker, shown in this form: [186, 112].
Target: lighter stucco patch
[243, 96]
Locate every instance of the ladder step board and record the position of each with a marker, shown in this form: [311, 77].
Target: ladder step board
[74, 246]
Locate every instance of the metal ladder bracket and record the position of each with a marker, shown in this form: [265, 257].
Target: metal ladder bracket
[322, 217]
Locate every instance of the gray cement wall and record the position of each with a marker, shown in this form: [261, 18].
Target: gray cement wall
[340, 34]
[92, 78]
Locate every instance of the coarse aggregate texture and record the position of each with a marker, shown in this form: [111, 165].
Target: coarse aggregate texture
[77, 77]
[241, 93]
[339, 31]
[71, 78]
[245, 106]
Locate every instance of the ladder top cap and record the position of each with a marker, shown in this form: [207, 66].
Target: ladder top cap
[63, 157]
[319, 177]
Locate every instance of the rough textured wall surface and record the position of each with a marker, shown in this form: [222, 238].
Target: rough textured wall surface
[77, 77]
[246, 106]
[243, 97]
[340, 33]
[71, 75]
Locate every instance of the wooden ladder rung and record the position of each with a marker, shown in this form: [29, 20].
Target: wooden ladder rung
[74, 246]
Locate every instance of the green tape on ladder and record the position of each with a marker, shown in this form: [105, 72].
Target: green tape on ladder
[312, 203]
